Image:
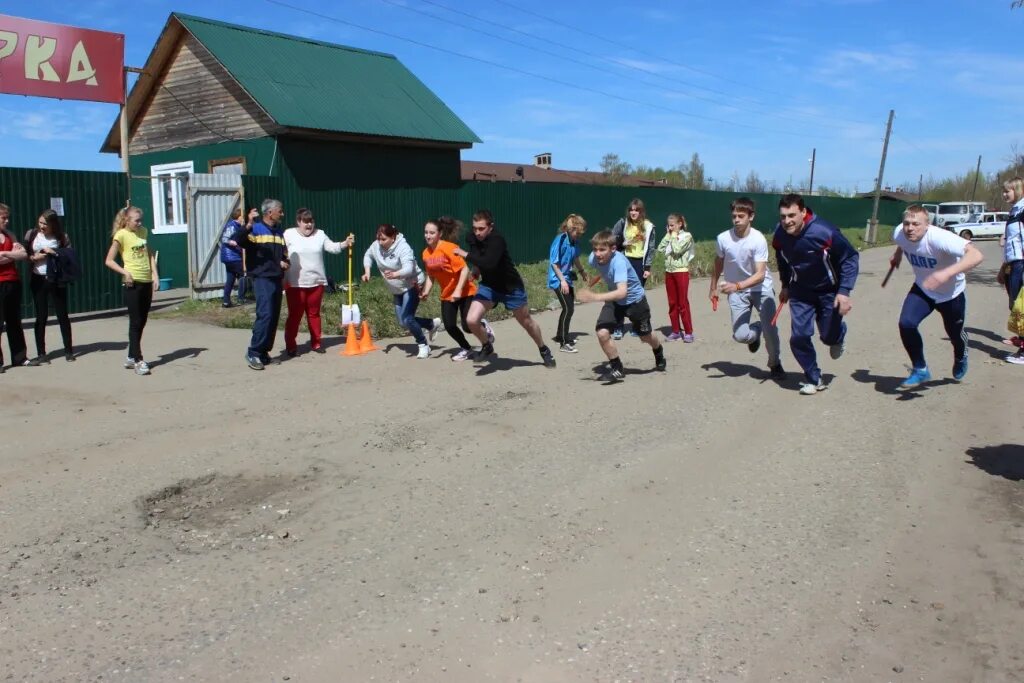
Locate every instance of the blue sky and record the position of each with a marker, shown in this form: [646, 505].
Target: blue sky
[747, 85]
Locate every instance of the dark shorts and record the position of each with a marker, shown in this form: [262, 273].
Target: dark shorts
[639, 315]
[512, 300]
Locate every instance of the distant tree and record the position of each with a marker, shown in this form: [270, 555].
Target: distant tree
[614, 168]
[754, 184]
[692, 174]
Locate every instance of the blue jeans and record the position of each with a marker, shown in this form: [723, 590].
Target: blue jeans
[405, 308]
[918, 306]
[805, 309]
[234, 272]
[1014, 280]
[268, 313]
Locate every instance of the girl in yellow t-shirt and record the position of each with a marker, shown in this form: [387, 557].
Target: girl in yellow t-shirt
[138, 268]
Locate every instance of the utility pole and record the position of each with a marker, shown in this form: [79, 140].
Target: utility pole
[872, 231]
[810, 189]
[920, 187]
[977, 172]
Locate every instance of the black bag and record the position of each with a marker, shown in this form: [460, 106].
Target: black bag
[63, 268]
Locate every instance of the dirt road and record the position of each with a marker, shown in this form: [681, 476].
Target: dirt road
[385, 519]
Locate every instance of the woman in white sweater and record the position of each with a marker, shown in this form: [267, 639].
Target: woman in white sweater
[394, 259]
[306, 277]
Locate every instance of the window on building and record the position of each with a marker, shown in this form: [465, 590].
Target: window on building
[170, 196]
[232, 166]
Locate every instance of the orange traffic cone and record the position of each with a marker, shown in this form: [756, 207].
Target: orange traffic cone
[351, 343]
[365, 340]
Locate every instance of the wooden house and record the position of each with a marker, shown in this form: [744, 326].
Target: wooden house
[220, 98]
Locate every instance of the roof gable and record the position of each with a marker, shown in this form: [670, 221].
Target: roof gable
[311, 84]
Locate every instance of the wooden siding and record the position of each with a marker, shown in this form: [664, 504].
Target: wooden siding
[207, 105]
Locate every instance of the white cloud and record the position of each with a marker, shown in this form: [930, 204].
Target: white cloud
[67, 124]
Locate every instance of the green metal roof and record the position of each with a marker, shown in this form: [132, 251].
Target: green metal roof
[304, 83]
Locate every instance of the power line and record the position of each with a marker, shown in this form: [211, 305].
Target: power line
[532, 74]
[732, 97]
[618, 43]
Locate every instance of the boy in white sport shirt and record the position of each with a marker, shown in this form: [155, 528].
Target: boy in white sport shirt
[742, 257]
[939, 259]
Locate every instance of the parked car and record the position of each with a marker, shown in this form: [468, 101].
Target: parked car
[989, 224]
[948, 214]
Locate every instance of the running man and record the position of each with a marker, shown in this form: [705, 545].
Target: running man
[818, 268]
[939, 259]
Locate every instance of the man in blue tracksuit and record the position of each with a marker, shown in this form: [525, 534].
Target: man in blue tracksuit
[818, 268]
[266, 258]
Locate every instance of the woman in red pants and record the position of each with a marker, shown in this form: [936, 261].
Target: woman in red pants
[305, 279]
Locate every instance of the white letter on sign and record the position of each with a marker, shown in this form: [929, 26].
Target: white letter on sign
[81, 68]
[10, 41]
[38, 52]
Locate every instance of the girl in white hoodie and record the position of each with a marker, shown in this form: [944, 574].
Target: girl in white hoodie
[397, 263]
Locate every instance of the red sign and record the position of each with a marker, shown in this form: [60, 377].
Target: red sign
[51, 60]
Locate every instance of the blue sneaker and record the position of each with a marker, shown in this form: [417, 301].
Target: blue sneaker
[960, 368]
[617, 333]
[918, 376]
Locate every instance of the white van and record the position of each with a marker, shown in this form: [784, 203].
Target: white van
[948, 214]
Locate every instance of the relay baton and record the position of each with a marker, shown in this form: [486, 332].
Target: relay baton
[714, 303]
[888, 275]
[775, 318]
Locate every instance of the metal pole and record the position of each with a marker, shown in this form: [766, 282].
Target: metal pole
[920, 187]
[873, 224]
[810, 188]
[977, 172]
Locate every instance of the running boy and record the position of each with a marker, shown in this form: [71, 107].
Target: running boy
[939, 259]
[818, 268]
[741, 254]
[500, 283]
[624, 299]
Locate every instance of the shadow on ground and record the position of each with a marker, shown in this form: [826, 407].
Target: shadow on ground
[890, 385]
[1006, 461]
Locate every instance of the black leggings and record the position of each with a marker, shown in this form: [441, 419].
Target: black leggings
[568, 303]
[42, 292]
[138, 297]
[450, 311]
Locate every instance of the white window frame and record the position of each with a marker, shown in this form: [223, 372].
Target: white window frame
[180, 203]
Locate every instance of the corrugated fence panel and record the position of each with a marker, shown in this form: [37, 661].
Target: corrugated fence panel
[528, 214]
[212, 198]
[90, 201]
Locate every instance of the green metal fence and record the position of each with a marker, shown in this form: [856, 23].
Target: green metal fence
[90, 201]
[528, 214]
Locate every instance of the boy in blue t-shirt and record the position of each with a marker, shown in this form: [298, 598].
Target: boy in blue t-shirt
[625, 297]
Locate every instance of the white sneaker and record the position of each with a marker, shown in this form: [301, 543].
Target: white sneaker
[424, 351]
[488, 330]
[142, 368]
[432, 332]
[1015, 358]
[808, 389]
[462, 355]
[129, 363]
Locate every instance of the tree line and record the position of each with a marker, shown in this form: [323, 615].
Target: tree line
[986, 187]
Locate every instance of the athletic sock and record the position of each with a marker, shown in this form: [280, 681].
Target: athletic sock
[615, 363]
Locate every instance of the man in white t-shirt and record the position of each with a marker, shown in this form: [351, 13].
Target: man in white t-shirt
[742, 257]
[939, 259]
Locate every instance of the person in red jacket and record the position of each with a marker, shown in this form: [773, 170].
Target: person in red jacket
[11, 251]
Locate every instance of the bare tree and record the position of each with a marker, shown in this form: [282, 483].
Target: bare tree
[614, 169]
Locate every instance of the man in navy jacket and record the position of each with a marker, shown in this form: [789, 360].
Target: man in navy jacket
[818, 268]
[266, 259]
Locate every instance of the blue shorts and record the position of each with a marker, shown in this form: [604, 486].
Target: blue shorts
[512, 300]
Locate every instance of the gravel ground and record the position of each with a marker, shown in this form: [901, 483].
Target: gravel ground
[380, 518]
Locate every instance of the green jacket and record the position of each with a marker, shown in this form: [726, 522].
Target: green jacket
[678, 251]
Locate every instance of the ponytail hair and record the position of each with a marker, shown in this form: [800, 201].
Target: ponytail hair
[449, 228]
[121, 218]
